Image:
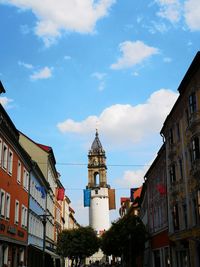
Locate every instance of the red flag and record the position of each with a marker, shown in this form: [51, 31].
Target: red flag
[61, 194]
[161, 189]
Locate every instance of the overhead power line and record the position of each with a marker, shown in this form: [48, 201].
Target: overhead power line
[85, 164]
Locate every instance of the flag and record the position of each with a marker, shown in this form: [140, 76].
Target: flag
[87, 197]
[161, 189]
[41, 189]
[132, 190]
[111, 194]
[60, 194]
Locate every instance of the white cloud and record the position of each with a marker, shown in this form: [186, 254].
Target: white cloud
[192, 17]
[44, 73]
[158, 27]
[101, 86]
[67, 57]
[133, 53]
[66, 15]
[167, 59]
[5, 101]
[126, 124]
[25, 65]
[170, 10]
[98, 75]
[135, 73]
[132, 178]
[24, 29]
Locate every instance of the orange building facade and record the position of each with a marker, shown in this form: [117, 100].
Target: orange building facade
[14, 183]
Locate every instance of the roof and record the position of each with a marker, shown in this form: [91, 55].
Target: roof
[194, 66]
[96, 145]
[2, 90]
[71, 210]
[45, 148]
[124, 199]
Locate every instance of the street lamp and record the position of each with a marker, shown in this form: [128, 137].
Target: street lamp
[44, 222]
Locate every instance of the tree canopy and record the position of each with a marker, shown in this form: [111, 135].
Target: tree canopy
[77, 244]
[127, 233]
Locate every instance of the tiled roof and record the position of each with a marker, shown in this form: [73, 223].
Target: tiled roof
[46, 148]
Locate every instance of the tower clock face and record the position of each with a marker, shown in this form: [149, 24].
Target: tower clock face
[95, 161]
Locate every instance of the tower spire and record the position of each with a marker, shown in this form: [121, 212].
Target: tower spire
[96, 147]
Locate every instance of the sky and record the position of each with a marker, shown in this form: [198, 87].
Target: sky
[71, 66]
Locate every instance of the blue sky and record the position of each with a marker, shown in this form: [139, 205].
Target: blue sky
[70, 67]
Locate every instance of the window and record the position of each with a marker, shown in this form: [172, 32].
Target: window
[157, 258]
[10, 161]
[185, 215]
[24, 216]
[19, 172]
[198, 202]
[16, 211]
[187, 116]
[5, 156]
[0, 151]
[2, 202]
[181, 168]
[192, 103]
[21, 255]
[195, 148]
[178, 131]
[172, 173]
[175, 217]
[5, 255]
[194, 211]
[25, 179]
[171, 137]
[7, 206]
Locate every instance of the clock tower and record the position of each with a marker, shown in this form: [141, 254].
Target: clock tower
[97, 183]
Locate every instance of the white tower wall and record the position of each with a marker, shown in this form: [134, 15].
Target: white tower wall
[99, 210]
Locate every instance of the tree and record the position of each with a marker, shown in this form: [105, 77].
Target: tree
[77, 244]
[125, 238]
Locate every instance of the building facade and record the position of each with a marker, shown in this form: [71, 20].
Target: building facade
[37, 208]
[43, 155]
[15, 166]
[157, 215]
[181, 131]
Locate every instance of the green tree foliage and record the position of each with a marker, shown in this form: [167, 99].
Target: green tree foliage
[126, 236]
[77, 244]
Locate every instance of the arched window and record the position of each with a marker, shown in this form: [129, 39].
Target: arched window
[96, 179]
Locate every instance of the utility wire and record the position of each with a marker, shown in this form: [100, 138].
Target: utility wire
[85, 164]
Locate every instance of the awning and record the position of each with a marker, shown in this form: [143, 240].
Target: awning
[53, 254]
